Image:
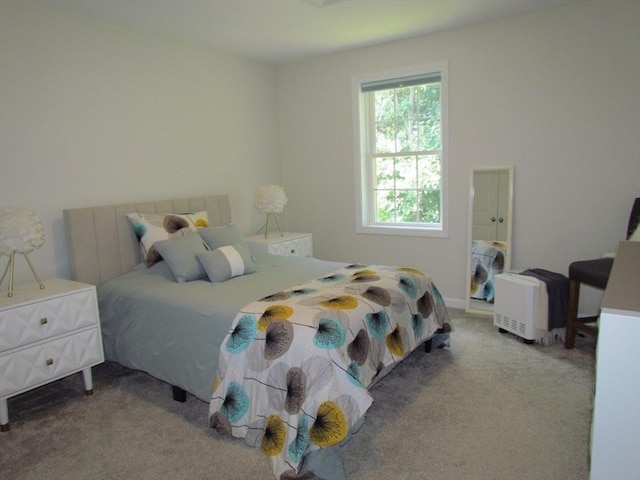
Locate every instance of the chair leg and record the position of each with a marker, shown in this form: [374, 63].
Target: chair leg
[572, 314]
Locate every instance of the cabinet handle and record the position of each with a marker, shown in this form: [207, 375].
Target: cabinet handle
[501, 219]
[49, 362]
[44, 321]
[493, 219]
[293, 251]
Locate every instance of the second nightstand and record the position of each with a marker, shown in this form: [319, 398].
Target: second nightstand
[291, 244]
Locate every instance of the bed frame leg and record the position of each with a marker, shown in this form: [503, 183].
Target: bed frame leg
[179, 395]
[429, 343]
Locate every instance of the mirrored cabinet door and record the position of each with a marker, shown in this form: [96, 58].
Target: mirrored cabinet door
[489, 237]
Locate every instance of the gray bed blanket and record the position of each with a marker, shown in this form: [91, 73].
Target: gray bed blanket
[173, 331]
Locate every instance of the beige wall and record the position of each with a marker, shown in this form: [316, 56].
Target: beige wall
[94, 114]
[555, 93]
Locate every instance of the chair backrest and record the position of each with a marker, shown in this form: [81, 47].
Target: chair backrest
[634, 218]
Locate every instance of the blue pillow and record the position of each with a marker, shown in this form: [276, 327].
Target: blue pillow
[227, 262]
[216, 237]
[180, 253]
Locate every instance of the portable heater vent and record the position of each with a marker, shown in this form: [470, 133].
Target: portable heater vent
[516, 303]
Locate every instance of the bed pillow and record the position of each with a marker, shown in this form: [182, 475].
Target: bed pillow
[217, 237]
[181, 255]
[227, 262]
[153, 227]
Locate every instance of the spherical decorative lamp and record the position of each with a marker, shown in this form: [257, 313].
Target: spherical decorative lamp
[20, 232]
[271, 200]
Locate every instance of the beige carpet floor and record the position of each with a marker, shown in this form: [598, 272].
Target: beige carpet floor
[488, 408]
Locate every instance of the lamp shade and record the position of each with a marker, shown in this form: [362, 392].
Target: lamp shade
[20, 230]
[270, 199]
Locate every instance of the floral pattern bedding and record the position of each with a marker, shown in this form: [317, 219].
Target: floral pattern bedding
[295, 366]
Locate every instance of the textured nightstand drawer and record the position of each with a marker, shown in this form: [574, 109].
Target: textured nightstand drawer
[38, 321]
[291, 244]
[31, 367]
[297, 247]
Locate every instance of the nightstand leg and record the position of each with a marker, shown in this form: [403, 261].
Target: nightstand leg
[4, 416]
[88, 381]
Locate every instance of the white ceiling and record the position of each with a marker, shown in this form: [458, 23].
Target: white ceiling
[280, 31]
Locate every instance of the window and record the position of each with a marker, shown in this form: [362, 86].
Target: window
[402, 155]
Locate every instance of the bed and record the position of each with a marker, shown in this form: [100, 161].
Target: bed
[283, 351]
[487, 261]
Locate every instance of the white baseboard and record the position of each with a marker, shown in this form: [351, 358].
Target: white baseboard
[455, 303]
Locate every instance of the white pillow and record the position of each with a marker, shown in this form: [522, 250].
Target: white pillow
[154, 227]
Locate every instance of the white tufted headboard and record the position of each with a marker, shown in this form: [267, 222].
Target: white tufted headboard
[101, 243]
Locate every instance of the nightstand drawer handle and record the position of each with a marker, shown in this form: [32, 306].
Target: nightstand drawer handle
[49, 362]
[44, 321]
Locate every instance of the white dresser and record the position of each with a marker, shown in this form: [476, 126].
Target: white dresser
[615, 438]
[290, 244]
[47, 334]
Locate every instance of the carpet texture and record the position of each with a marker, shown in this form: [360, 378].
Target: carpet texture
[488, 408]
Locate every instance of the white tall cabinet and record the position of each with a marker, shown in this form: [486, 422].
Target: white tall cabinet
[615, 432]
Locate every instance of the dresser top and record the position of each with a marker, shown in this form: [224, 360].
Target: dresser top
[31, 292]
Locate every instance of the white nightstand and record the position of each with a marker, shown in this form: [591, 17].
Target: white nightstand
[291, 244]
[46, 335]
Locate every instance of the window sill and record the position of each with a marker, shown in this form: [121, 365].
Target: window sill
[401, 230]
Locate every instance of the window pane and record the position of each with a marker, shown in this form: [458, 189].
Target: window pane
[384, 106]
[402, 136]
[403, 102]
[406, 205]
[430, 171]
[385, 173]
[385, 206]
[428, 100]
[421, 135]
[385, 137]
[428, 110]
[416, 139]
[430, 206]
[406, 174]
[432, 132]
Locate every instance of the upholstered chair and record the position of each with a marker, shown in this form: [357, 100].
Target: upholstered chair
[596, 274]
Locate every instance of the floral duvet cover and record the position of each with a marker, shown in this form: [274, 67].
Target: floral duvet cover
[295, 366]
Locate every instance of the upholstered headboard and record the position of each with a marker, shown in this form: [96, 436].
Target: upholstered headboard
[101, 242]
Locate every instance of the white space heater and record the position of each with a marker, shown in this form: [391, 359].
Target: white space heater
[516, 304]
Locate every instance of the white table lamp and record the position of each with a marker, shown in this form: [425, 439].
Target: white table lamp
[271, 200]
[20, 232]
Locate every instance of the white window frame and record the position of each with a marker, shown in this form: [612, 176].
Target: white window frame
[364, 144]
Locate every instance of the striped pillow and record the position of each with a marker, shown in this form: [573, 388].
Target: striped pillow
[227, 262]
